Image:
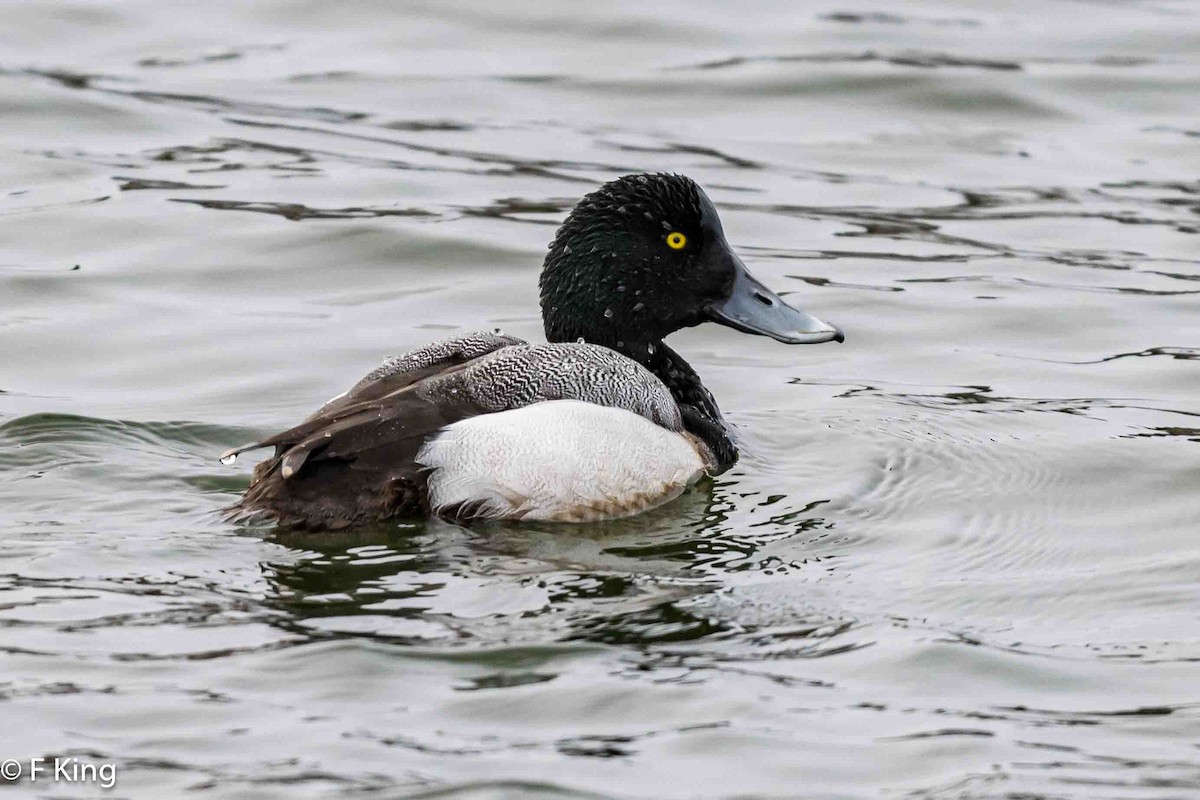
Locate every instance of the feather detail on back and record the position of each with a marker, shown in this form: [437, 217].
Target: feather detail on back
[416, 365]
[357, 458]
[566, 460]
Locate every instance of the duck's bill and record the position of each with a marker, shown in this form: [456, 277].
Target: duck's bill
[753, 308]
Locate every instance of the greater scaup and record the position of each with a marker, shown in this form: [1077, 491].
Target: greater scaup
[603, 421]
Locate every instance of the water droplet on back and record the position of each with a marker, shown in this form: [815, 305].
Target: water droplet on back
[608, 313]
[579, 340]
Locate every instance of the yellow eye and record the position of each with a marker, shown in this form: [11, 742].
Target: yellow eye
[676, 240]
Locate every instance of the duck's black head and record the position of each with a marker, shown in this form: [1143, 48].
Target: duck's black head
[644, 256]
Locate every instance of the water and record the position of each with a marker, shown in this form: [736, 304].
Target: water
[958, 559]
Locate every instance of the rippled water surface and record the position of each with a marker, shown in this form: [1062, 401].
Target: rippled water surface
[960, 557]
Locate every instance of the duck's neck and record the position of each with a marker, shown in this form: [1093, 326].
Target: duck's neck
[701, 415]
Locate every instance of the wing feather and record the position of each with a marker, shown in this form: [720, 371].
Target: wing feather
[356, 459]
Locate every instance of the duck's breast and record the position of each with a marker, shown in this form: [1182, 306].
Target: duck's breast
[563, 460]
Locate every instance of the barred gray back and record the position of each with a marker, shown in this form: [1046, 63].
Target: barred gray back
[469, 346]
[522, 375]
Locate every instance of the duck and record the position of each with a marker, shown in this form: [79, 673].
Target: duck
[603, 420]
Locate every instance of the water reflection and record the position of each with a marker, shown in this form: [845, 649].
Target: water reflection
[628, 581]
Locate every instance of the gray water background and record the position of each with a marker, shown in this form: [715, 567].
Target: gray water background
[959, 558]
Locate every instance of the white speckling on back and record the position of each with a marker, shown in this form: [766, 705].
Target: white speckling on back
[563, 460]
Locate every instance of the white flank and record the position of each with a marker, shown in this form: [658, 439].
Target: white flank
[563, 460]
